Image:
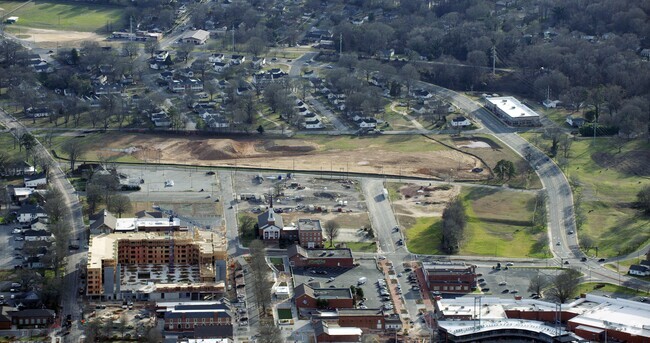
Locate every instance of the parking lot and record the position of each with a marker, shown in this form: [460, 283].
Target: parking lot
[8, 247]
[191, 193]
[346, 278]
[510, 282]
[299, 192]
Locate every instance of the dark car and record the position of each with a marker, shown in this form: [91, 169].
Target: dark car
[584, 259]
[505, 291]
[210, 173]
[485, 289]
[601, 260]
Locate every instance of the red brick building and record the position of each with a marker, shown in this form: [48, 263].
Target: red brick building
[331, 332]
[186, 317]
[307, 297]
[450, 278]
[310, 233]
[327, 258]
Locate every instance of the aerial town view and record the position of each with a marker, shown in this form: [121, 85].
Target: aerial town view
[270, 171]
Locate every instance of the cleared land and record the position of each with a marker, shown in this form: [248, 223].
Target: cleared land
[393, 155]
[608, 181]
[498, 222]
[68, 17]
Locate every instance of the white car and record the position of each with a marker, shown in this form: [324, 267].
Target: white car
[19, 239]
[16, 231]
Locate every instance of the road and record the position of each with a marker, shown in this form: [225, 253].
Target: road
[74, 217]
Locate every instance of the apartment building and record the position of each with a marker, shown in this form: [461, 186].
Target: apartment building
[310, 233]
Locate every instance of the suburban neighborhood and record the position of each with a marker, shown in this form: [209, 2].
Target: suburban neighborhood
[324, 171]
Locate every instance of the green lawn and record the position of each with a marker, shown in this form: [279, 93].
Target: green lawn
[362, 246]
[588, 287]
[498, 225]
[608, 183]
[70, 17]
[424, 236]
[9, 6]
[284, 313]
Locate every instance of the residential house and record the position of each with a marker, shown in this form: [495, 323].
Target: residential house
[198, 37]
[21, 194]
[114, 88]
[17, 168]
[310, 233]
[332, 332]
[270, 225]
[387, 53]
[43, 67]
[575, 121]
[161, 55]
[5, 317]
[307, 297]
[421, 94]
[35, 180]
[29, 212]
[220, 66]
[270, 76]
[548, 103]
[460, 122]
[313, 123]
[366, 123]
[37, 235]
[217, 122]
[639, 270]
[186, 72]
[33, 318]
[258, 62]
[184, 84]
[214, 58]
[167, 75]
[237, 59]
[104, 222]
[37, 112]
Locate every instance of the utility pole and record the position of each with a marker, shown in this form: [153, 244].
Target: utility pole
[233, 37]
[340, 44]
[494, 60]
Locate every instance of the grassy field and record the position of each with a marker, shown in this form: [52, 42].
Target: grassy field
[362, 246]
[69, 17]
[588, 287]
[498, 225]
[9, 6]
[526, 177]
[608, 181]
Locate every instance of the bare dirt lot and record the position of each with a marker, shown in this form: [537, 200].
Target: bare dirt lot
[422, 199]
[408, 158]
[50, 39]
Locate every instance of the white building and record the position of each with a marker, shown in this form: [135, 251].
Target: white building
[511, 111]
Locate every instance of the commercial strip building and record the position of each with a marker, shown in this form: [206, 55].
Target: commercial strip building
[327, 258]
[591, 317]
[450, 277]
[156, 265]
[511, 111]
[188, 316]
[308, 297]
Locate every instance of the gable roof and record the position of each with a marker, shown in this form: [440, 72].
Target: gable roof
[104, 218]
[31, 209]
[264, 219]
[35, 177]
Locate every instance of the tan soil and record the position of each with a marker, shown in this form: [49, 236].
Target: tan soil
[432, 200]
[291, 154]
[50, 39]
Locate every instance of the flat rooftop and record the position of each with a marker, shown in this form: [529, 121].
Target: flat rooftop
[468, 327]
[133, 224]
[512, 107]
[445, 267]
[328, 253]
[332, 293]
[628, 316]
[309, 225]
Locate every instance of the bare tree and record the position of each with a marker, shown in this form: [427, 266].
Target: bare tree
[120, 204]
[269, 332]
[564, 286]
[151, 46]
[54, 205]
[332, 231]
[538, 283]
[454, 221]
[260, 271]
[122, 325]
[74, 149]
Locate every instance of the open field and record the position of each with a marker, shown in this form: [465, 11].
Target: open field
[608, 181]
[491, 151]
[589, 287]
[362, 246]
[393, 155]
[498, 221]
[69, 17]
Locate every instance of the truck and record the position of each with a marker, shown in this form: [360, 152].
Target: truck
[384, 192]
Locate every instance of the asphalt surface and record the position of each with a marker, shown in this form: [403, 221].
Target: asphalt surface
[74, 217]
